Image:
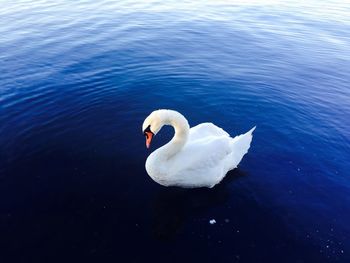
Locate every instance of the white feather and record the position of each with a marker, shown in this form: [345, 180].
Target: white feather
[196, 157]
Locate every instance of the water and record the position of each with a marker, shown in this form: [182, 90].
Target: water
[79, 77]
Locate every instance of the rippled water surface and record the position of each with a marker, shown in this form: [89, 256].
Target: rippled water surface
[79, 77]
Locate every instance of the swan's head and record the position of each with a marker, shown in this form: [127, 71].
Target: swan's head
[152, 125]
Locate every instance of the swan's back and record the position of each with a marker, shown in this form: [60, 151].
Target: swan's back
[204, 130]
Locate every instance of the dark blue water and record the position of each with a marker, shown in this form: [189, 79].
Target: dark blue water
[77, 79]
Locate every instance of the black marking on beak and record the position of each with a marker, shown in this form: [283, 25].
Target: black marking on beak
[148, 129]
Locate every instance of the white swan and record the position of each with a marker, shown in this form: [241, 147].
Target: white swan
[195, 157]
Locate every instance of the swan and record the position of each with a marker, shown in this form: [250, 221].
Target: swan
[195, 157]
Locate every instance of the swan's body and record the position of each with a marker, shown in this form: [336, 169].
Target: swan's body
[196, 157]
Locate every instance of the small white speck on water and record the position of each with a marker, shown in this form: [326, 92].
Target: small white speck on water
[212, 221]
[237, 231]
[298, 169]
[332, 229]
[327, 246]
[342, 251]
[227, 220]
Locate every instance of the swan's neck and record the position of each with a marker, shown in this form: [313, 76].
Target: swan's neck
[182, 130]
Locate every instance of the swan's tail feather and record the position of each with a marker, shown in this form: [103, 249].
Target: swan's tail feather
[252, 130]
[240, 146]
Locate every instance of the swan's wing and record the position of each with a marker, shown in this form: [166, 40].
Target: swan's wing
[203, 154]
[206, 150]
[205, 161]
[200, 163]
[204, 130]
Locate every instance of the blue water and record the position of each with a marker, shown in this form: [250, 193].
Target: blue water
[77, 79]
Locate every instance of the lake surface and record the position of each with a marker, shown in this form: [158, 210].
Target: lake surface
[79, 77]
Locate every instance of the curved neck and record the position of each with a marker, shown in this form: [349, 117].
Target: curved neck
[182, 130]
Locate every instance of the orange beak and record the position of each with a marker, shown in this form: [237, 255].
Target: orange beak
[149, 136]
